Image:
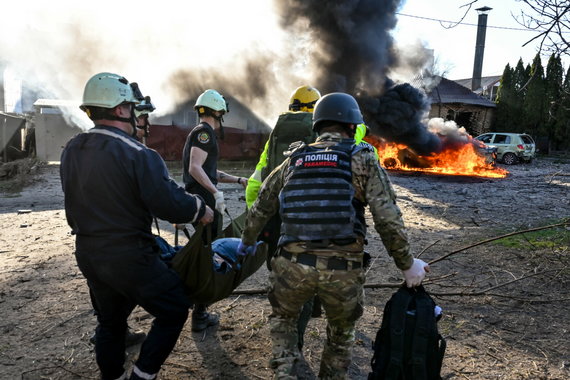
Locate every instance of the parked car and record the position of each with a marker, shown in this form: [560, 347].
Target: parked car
[511, 147]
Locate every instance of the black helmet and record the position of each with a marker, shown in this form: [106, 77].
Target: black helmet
[339, 107]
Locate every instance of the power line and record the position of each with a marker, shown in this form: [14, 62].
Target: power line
[469, 24]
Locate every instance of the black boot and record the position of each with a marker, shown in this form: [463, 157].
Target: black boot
[201, 319]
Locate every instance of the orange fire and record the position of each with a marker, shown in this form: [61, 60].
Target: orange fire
[461, 160]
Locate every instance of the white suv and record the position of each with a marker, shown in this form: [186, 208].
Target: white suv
[511, 147]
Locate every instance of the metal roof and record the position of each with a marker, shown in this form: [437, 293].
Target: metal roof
[486, 82]
[56, 103]
[448, 92]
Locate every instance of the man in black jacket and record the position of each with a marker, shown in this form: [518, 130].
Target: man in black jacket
[113, 187]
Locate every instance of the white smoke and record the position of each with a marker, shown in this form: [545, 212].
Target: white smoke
[57, 46]
[449, 130]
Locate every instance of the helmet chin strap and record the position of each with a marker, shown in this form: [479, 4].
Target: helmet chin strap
[221, 119]
[146, 128]
[132, 120]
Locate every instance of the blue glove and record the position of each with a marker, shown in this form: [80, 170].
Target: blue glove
[244, 250]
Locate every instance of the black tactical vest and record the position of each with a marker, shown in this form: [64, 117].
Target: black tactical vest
[317, 201]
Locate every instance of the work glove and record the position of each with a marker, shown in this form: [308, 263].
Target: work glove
[220, 203]
[244, 249]
[416, 273]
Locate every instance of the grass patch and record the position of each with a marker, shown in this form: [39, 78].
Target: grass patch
[552, 238]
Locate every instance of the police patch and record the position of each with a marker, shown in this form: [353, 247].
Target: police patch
[321, 160]
[204, 138]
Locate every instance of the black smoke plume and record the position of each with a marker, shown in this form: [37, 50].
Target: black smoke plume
[397, 116]
[355, 51]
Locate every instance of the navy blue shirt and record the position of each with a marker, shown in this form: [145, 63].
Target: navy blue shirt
[113, 187]
[203, 137]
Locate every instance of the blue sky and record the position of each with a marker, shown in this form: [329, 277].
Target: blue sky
[454, 48]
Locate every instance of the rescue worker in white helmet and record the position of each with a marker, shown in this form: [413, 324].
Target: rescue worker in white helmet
[321, 191]
[201, 174]
[113, 186]
[142, 110]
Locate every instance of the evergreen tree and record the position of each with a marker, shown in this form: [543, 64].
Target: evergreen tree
[534, 101]
[562, 123]
[520, 78]
[505, 100]
[553, 88]
[527, 71]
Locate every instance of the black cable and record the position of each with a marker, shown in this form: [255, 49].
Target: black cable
[469, 24]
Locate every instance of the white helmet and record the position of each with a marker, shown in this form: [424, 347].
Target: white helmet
[211, 99]
[108, 90]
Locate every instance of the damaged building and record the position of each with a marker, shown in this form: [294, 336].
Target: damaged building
[452, 101]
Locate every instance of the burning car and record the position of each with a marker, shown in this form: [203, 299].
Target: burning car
[459, 154]
[489, 152]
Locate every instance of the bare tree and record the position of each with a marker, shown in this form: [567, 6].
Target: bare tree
[551, 20]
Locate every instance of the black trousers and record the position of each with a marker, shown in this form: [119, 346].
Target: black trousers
[121, 279]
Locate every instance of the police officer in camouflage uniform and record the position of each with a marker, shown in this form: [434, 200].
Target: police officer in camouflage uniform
[321, 191]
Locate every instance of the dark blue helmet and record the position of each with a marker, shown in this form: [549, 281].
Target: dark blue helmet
[339, 107]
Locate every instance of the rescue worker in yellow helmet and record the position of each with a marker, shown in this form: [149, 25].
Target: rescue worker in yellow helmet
[291, 126]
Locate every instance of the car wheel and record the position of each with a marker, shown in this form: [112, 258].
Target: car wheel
[509, 158]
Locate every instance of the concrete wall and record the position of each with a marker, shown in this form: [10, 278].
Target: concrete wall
[52, 133]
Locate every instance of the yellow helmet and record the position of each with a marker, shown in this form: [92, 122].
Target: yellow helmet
[304, 99]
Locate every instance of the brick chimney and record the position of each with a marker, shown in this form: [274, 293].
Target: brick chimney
[479, 47]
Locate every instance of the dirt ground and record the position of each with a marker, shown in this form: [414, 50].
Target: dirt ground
[516, 331]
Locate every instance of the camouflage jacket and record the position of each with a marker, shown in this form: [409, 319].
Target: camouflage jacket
[371, 185]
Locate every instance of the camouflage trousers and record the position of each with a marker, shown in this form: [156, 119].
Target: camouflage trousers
[341, 294]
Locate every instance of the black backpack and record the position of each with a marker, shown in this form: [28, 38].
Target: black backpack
[408, 345]
[291, 127]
